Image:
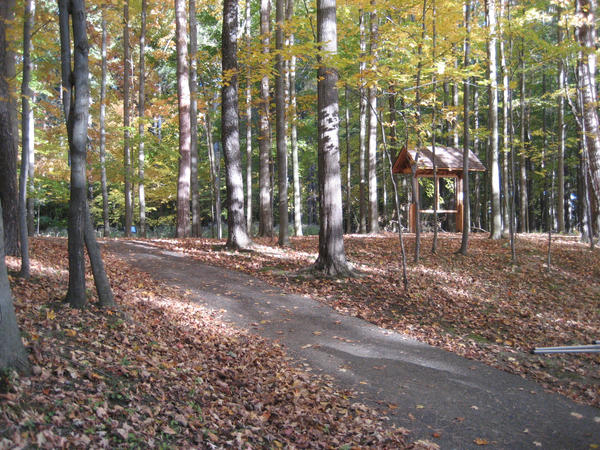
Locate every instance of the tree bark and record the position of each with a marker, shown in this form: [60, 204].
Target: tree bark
[12, 351]
[248, 123]
[103, 288]
[215, 171]
[348, 166]
[280, 126]
[26, 135]
[141, 123]
[505, 113]
[237, 236]
[126, 144]
[496, 225]
[466, 219]
[196, 231]
[560, 210]
[183, 97]
[332, 258]
[76, 117]
[415, 181]
[264, 139]
[372, 113]
[80, 227]
[294, 131]
[477, 187]
[586, 36]
[105, 217]
[8, 133]
[523, 202]
[363, 127]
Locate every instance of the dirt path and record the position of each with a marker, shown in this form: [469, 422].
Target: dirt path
[440, 397]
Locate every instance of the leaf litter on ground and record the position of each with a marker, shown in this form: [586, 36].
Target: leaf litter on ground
[161, 371]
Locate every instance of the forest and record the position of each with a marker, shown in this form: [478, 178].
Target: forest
[514, 67]
[306, 144]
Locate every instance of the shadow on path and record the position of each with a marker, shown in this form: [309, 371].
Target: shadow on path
[439, 396]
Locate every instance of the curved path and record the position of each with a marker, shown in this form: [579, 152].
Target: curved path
[439, 396]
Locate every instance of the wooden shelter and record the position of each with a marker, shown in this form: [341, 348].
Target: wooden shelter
[449, 162]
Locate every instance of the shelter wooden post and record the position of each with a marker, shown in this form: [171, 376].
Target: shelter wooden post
[459, 203]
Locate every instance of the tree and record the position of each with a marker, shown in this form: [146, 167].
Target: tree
[26, 135]
[586, 37]
[496, 229]
[363, 126]
[8, 133]
[332, 257]
[248, 123]
[75, 81]
[194, 120]
[524, 203]
[372, 129]
[294, 129]
[103, 180]
[560, 210]
[12, 351]
[183, 97]
[141, 124]
[264, 139]
[505, 120]
[280, 126]
[230, 135]
[466, 218]
[126, 122]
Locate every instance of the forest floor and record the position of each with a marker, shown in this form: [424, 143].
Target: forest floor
[161, 371]
[479, 306]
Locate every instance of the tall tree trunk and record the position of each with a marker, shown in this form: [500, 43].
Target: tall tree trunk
[31, 174]
[545, 198]
[77, 148]
[586, 36]
[265, 227]
[511, 192]
[26, 135]
[141, 124]
[237, 236]
[248, 123]
[372, 141]
[12, 351]
[560, 210]
[415, 182]
[496, 225]
[294, 130]
[362, 167]
[183, 96]
[280, 125]
[466, 219]
[433, 133]
[348, 166]
[126, 112]
[332, 257]
[196, 231]
[105, 217]
[80, 226]
[8, 134]
[505, 113]
[215, 166]
[523, 202]
[455, 104]
[477, 206]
